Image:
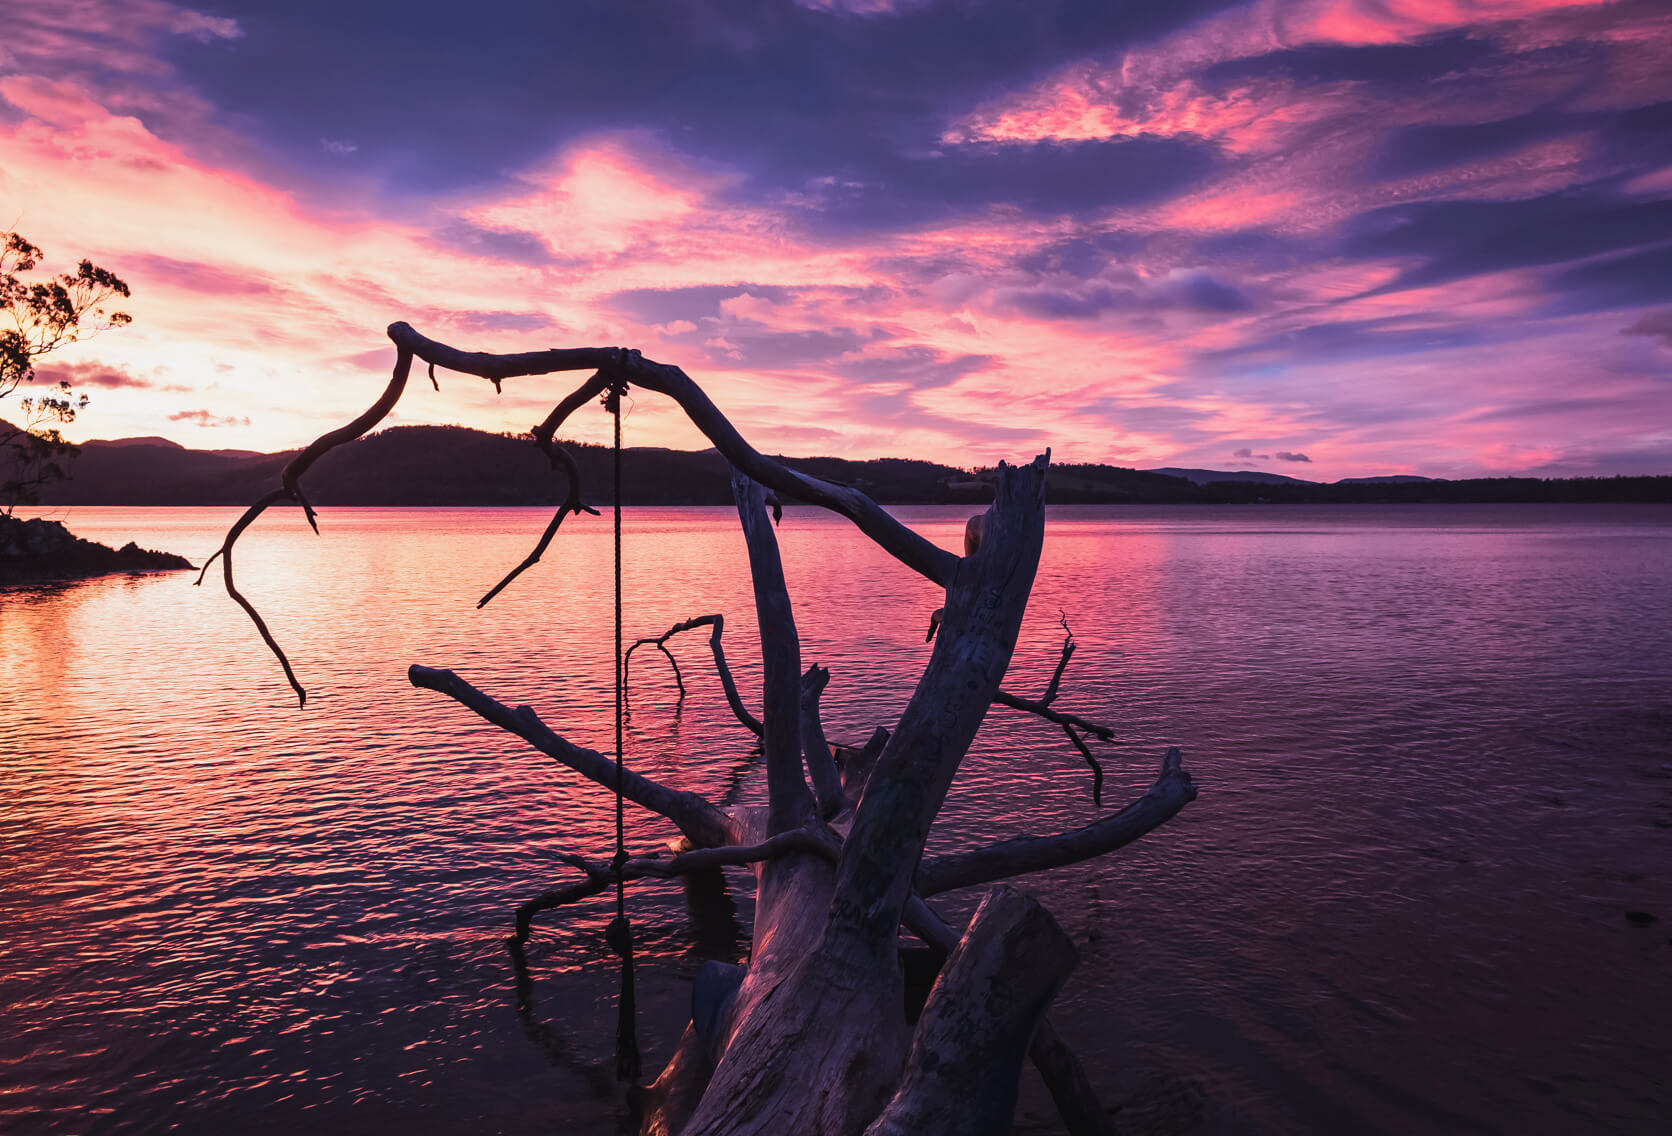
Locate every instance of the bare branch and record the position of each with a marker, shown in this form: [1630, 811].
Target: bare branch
[911, 549]
[1033, 706]
[1092, 762]
[612, 365]
[788, 799]
[1041, 706]
[558, 897]
[1170, 793]
[601, 875]
[821, 763]
[498, 367]
[290, 479]
[695, 817]
[560, 458]
[820, 842]
[718, 623]
[1068, 646]
[660, 642]
[224, 553]
[371, 416]
[597, 385]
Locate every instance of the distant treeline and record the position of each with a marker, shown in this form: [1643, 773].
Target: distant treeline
[452, 465]
[1479, 490]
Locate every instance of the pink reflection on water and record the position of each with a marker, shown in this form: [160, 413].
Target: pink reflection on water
[1428, 740]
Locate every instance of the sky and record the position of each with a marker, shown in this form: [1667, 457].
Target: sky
[1326, 238]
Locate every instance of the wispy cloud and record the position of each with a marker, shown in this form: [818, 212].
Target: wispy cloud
[1658, 324]
[208, 419]
[1408, 236]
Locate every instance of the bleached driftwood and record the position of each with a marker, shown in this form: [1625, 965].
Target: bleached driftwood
[812, 1036]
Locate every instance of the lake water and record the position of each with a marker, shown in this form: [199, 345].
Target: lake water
[1434, 746]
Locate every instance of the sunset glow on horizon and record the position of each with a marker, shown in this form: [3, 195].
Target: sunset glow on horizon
[1328, 238]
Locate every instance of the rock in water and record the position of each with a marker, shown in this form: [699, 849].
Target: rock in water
[37, 550]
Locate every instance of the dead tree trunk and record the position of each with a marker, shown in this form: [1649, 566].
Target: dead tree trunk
[815, 1039]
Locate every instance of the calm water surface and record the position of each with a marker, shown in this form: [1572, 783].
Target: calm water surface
[1434, 744]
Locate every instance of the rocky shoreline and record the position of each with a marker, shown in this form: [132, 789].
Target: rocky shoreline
[38, 550]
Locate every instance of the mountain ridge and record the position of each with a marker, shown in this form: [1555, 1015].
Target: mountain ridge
[459, 466]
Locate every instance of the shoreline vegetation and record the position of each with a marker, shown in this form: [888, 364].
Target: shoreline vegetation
[457, 466]
[42, 551]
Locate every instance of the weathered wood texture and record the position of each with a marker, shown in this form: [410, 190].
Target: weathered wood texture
[1065, 1077]
[966, 1054]
[789, 800]
[815, 749]
[984, 606]
[818, 1036]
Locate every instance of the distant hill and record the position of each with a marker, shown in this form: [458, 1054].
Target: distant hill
[1391, 479]
[1210, 476]
[1259, 477]
[1067, 484]
[452, 465]
[147, 441]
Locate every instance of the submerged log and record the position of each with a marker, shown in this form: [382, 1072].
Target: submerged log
[966, 1056]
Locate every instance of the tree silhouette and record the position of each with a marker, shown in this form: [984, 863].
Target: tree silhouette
[44, 316]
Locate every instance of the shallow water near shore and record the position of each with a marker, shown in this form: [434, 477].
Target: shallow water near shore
[1434, 745]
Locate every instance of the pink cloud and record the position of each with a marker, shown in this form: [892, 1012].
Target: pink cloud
[83, 375]
[942, 342]
[208, 419]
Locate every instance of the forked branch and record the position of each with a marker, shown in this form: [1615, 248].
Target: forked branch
[599, 875]
[611, 366]
[718, 624]
[572, 503]
[911, 549]
[1071, 723]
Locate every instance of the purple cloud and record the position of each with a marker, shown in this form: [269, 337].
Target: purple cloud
[91, 375]
[207, 419]
[1657, 324]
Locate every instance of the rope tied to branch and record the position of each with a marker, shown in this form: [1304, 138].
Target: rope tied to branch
[619, 935]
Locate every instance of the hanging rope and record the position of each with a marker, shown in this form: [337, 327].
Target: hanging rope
[620, 933]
